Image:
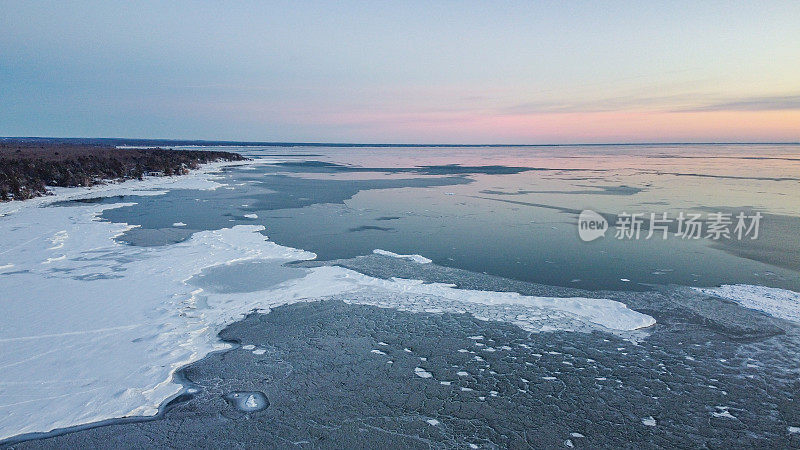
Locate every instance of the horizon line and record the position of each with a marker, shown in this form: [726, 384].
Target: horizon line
[209, 142]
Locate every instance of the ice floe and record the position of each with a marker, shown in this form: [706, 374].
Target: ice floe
[422, 373]
[416, 258]
[722, 411]
[776, 302]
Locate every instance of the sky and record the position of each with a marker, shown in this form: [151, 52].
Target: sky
[527, 72]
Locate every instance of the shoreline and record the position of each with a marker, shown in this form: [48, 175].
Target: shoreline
[31, 170]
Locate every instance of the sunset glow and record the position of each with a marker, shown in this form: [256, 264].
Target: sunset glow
[545, 72]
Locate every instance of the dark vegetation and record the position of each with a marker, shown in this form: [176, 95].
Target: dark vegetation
[27, 168]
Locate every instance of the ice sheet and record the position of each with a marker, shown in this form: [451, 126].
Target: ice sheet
[94, 329]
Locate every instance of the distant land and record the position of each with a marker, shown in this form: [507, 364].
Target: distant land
[28, 166]
[196, 142]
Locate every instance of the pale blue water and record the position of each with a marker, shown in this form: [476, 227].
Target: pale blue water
[481, 209]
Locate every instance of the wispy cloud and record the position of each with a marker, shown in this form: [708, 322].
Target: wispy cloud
[619, 103]
[768, 103]
[630, 102]
[678, 103]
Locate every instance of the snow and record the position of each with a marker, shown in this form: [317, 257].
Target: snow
[793, 430]
[416, 258]
[259, 351]
[178, 224]
[251, 216]
[377, 352]
[94, 329]
[776, 302]
[433, 422]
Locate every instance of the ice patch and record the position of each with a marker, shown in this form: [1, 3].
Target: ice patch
[722, 411]
[248, 347]
[178, 224]
[58, 239]
[433, 422]
[377, 352]
[416, 258]
[259, 351]
[54, 259]
[776, 302]
[793, 430]
[247, 401]
[251, 216]
[462, 374]
[649, 421]
[422, 373]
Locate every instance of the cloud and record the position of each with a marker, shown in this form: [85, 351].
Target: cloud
[677, 103]
[607, 104]
[768, 103]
